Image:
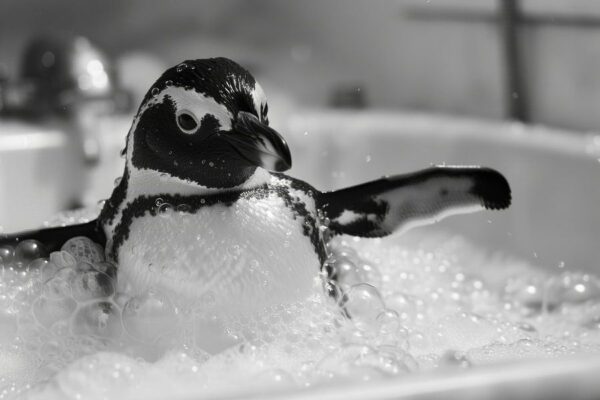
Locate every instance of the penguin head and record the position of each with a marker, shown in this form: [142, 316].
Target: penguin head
[206, 121]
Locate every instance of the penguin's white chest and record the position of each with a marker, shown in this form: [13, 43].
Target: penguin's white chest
[241, 257]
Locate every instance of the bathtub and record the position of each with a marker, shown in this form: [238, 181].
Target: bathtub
[555, 177]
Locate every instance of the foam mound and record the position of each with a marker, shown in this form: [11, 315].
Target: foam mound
[399, 305]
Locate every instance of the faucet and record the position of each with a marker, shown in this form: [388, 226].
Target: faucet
[69, 81]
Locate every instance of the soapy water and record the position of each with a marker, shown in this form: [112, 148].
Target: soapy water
[404, 304]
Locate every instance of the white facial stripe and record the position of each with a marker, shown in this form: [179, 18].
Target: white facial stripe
[259, 98]
[197, 104]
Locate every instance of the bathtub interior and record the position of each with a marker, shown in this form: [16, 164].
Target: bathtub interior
[548, 224]
[554, 175]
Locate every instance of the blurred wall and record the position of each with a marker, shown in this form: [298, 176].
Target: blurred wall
[302, 50]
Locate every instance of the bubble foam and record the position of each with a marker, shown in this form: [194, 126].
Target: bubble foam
[399, 305]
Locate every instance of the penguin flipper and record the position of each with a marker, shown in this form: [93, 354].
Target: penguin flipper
[401, 202]
[54, 238]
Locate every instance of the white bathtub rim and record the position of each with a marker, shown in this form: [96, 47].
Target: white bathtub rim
[507, 133]
[456, 383]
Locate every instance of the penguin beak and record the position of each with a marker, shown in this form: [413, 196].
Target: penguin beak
[259, 144]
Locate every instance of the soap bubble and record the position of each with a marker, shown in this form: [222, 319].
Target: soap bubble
[388, 326]
[363, 303]
[149, 317]
[572, 288]
[408, 307]
[63, 259]
[36, 267]
[48, 311]
[84, 249]
[403, 361]
[346, 252]
[84, 266]
[368, 273]
[106, 267]
[99, 318]
[527, 294]
[345, 272]
[7, 254]
[91, 285]
[29, 250]
[59, 285]
[164, 210]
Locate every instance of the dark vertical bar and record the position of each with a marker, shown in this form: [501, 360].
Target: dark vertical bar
[516, 96]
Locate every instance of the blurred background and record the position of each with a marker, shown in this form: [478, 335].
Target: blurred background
[446, 56]
[359, 88]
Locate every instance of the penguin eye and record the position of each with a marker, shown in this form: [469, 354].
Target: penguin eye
[187, 122]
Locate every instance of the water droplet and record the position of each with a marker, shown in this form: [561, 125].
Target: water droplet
[164, 210]
[181, 67]
[364, 303]
[84, 249]
[183, 208]
[155, 91]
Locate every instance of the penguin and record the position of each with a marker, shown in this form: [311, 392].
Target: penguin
[203, 209]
